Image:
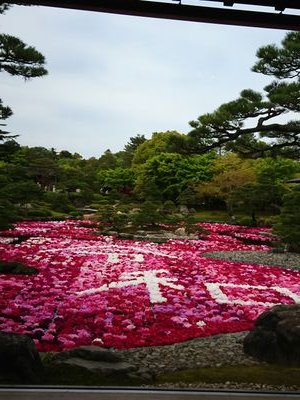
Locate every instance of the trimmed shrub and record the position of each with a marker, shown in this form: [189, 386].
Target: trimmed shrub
[288, 227]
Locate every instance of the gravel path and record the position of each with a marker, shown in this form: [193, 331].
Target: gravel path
[228, 386]
[286, 260]
[212, 351]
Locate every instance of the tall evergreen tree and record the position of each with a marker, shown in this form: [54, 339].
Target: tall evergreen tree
[4, 7]
[5, 112]
[17, 59]
[288, 227]
[227, 124]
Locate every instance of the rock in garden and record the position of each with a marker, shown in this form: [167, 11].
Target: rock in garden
[99, 368]
[276, 336]
[180, 231]
[94, 360]
[183, 209]
[19, 359]
[92, 353]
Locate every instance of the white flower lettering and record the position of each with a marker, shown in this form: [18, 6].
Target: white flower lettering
[220, 297]
[151, 279]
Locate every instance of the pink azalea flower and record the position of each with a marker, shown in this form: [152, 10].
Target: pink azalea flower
[99, 290]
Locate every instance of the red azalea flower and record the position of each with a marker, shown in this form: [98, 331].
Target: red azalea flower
[96, 290]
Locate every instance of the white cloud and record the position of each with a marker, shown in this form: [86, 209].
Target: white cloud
[112, 77]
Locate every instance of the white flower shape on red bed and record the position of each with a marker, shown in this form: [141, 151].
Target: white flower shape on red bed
[151, 279]
[92, 289]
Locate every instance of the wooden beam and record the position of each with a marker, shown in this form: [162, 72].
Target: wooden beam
[275, 4]
[153, 9]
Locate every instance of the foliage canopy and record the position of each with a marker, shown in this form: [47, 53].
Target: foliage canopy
[248, 124]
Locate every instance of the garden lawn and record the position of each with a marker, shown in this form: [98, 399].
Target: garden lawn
[93, 289]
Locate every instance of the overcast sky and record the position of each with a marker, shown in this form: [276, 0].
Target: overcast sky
[112, 77]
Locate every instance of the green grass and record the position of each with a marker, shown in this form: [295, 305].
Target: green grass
[264, 219]
[212, 216]
[261, 374]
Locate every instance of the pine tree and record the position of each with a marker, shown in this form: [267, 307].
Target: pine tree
[248, 124]
[17, 59]
[288, 227]
[5, 112]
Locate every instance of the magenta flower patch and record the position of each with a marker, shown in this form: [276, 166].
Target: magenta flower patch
[98, 290]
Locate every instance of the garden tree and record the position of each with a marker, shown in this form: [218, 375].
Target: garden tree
[8, 212]
[134, 143]
[77, 156]
[188, 196]
[244, 147]
[70, 175]
[18, 59]
[288, 226]
[105, 214]
[153, 213]
[229, 173]
[108, 160]
[169, 207]
[250, 199]
[18, 188]
[148, 215]
[113, 218]
[7, 209]
[276, 170]
[170, 173]
[76, 178]
[14, 172]
[65, 154]
[89, 169]
[5, 112]
[40, 164]
[272, 174]
[43, 171]
[4, 7]
[146, 189]
[266, 193]
[125, 156]
[26, 153]
[253, 113]
[15, 192]
[80, 198]
[8, 149]
[161, 142]
[58, 201]
[118, 180]
[22, 192]
[281, 62]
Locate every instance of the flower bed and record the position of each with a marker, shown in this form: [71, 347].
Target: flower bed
[93, 289]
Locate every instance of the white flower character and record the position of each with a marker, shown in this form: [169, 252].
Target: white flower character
[149, 278]
[220, 297]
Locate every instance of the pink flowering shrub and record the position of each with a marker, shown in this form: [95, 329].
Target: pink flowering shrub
[93, 289]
